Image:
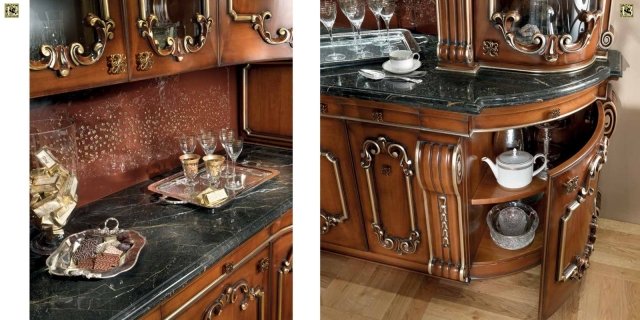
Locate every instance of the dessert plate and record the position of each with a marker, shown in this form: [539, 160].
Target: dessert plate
[387, 67]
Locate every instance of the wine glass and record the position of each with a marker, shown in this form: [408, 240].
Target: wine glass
[376, 8]
[208, 143]
[226, 134]
[388, 8]
[187, 143]
[354, 10]
[190, 167]
[234, 147]
[328, 17]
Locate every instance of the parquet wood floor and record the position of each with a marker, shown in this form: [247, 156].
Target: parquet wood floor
[357, 289]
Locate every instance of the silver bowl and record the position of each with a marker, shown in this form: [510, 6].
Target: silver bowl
[512, 225]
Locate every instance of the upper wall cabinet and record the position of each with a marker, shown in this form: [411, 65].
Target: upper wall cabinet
[171, 36]
[75, 45]
[253, 31]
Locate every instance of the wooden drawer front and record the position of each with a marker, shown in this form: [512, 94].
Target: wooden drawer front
[243, 41]
[267, 103]
[340, 215]
[394, 223]
[572, 219]
[373, 113]
[240, 296]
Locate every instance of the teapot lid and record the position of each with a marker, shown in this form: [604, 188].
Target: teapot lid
[515, 159]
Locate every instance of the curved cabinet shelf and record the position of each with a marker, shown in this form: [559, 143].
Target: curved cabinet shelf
[492, 261]
[490, 192]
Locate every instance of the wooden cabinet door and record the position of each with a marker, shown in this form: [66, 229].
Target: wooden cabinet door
[572, 220]
[394, 217]
[255, 30]
[340, 216]
[191, 25]
[267, 103]
[87, 53]
[282, 277]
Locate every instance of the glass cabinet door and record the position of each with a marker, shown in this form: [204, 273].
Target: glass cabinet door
[68, 36]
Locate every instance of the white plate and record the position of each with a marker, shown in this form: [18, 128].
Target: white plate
[387, 67]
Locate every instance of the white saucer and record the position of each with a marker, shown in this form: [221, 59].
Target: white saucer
[387, 67]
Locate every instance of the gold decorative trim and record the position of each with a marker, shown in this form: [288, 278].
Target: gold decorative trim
[377, 116]
[62, 58]
[144, 61]
[426, 205]
[575, 270]
[323, 108]
[245, 108]
[554, 113]
[177, 47]
[117, 63]
[571, 185]
[285, 268]
[228, 268]
[550, 46]
[257, 21]
[457, 170]
[331, 221]
[374, 147]
[230, 295]
[444, 222]
[224, 276]
[490, 48]
[263, 265]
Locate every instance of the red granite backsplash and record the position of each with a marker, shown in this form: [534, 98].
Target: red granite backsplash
[126, 133]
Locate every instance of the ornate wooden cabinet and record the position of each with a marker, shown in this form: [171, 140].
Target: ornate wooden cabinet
[69, 56]
[254, 31]
[423, 193]
[253, 282]
[169, 36]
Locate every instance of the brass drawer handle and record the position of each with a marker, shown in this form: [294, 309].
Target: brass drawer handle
[257, 21]
[554, 113]
[377, 116]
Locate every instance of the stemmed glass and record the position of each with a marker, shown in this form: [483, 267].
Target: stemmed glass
[388, 8]
[226, 135]
[376, 8]
[208, 143]
[328, 18]
[187, 143]
[234, 147]
[354, 10]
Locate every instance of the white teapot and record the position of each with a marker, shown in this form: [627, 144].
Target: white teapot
[514, 168]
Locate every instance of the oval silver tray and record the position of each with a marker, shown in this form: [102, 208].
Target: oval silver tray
[60, 262]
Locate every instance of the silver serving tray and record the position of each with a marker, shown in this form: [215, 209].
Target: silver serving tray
[401, 38]
[170, 188]
[59, 262]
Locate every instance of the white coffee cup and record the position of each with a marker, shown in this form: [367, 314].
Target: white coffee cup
[402, 59]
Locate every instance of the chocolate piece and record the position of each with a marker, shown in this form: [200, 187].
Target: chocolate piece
[124, 246]
[85, 263]
[87, 248]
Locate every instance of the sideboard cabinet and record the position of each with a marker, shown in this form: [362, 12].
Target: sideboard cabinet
[404, 185]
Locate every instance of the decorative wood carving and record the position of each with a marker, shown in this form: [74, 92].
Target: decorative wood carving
[490, 48]
[371, 148]
[144, 60]
[263, 265]
[332, 220]
[286, 267]
[455, 35]
[230, 296]
[117, 63]
[440, 173]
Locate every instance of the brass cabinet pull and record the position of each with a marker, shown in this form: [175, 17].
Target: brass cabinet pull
[372, 148]
[229, 296]
[177, 47]
[117, 63]
[257, 20]
[377, 116]
[61, 58]
[144, 61]
[331, 221]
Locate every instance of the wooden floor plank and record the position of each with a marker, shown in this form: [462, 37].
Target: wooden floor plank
[356, 289]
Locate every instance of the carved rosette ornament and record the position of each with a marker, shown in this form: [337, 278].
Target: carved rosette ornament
[550, 45]
[230, 295]
[176, 47]
[62, 58]
[117, 63]
[490, 48]
[371, 148]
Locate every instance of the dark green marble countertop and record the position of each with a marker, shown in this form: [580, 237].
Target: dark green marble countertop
[464, 93]
[182, 242]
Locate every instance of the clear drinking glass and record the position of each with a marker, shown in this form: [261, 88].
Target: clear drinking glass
[187, 143]
[234, 147]
[376, 8]
[328, 13]
[208, 143]
[388, 8]
[354, 10]
[226, 134]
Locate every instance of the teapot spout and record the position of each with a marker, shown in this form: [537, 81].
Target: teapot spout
[493, 167]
